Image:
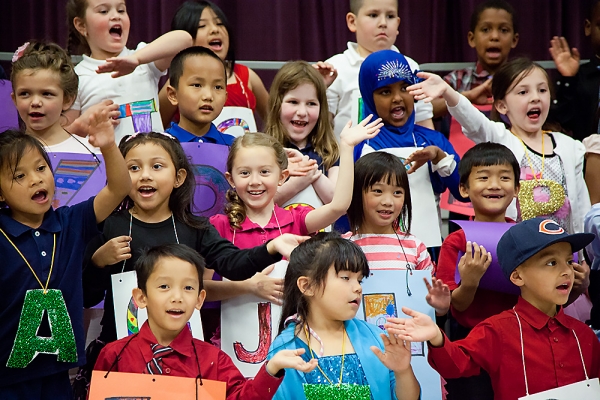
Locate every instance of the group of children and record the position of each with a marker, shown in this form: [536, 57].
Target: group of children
[143, 219]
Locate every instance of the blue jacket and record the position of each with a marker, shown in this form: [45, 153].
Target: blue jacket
[362, 336]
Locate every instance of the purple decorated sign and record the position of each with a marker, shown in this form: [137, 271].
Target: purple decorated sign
[209, 163]
[9, 118]
[77, 177]
[488, 234]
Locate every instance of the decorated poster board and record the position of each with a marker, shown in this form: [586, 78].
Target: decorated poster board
[425, 217]
[128, 386]
[236, 121]
[307, 197]
[488, 234]
[77, 177]
[209, 162]
[461, 144]
[9, 117]
[385, 292]
[248, 346]
[129, 318]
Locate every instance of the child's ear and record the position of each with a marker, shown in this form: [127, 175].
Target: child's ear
[515, 41]
[79, 24]
[351, 22]
[172, 95]
[587, 27]
[229, 179]
[14, 98]
[201, 297]
[284, 175]
[180, 177]
[305, 287]
[515, 277]
[464, 190]
[139, 297]
[68, 102]
[501, 106]
[517, 189]
[471, 39]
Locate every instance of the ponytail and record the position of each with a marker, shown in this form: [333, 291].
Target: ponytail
[235, 209]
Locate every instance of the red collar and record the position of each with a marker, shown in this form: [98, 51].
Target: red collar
[536, 318]
[182, 344]
[284, 217]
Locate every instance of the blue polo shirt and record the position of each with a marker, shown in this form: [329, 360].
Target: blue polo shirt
[212, 136]
[74, 227]
[309, 151]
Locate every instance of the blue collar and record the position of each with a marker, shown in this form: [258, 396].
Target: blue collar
[212, 136]
[14, 228]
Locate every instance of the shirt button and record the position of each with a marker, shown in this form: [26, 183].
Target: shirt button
[43, 254]
[37, 233]
[556, 340]
[561, 365]
[168, 370]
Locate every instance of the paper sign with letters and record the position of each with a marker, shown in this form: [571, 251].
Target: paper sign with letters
[384, 294]
[128, 386]
[249, 326]
[588, 389]
[128, 317]
[77, 177]
[235, 121]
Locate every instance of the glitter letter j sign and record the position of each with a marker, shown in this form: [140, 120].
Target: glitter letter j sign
[28, 345]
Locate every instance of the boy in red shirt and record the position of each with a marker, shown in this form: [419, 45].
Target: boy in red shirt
[170, 287]
[533, 347]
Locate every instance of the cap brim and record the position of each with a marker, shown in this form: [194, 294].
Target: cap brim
[577, 241]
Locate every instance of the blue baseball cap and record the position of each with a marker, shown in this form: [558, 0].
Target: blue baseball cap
[523, 240]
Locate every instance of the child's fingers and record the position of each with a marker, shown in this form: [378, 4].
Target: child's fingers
[429, 287]
[365, 121]
[377, 351]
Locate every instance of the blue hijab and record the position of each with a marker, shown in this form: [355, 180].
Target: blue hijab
[379, 69]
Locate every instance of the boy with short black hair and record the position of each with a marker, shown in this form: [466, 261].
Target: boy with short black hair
[535, 346]
[493, 33]
[198, 87]
[170, 287]
[375, 23]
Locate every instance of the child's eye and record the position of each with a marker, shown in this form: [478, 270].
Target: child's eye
[485, 30]
[292, 101]
[122, 10]
[571, 262]
[551, 263]
[398, 193]
[482, 178]
[360, 281]
[543, 90]
[196, 85]
[157, 166]
[505, 178]
[188, 288]
[244, 173]
[265, 172]
[378, 191]
[219, 87]
[23, 94]
[385, 92]
[163, 286]
[48, 94]
[201, 26]
[373, 15]
[41, 168]
[313, 104]
[134, 168]
[521, 92]
[18, 177]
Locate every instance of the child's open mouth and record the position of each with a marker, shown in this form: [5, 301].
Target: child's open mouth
[534, 113]
[494, 196]
[385, 213]
[146, 191]
[356, 302]
[299, 124]
[175, 313]
[493, 52]
[36, 115]
[256, 192]
[116, 31]
[398, 112]
[564, 288]
[216, 44]
[206, 108]
[40, 196]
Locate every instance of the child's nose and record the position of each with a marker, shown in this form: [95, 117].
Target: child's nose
[382, 21]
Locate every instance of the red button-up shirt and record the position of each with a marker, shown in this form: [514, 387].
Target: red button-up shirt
[214, 364]
[551, 354]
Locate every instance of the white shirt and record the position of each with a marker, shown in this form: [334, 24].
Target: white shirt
[77, 145]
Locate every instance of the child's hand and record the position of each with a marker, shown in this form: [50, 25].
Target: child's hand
[327, 71]
[481, 94]
[290, 359]
[119, 66]
[438, 295]
[299, 164]
[431, 88]
[567, 61]
[351, 136]
[101, 132]
[397, 353]
[419, 328]
[473, 264]
[263, 286]
[285, 243]
[420, 157]
[582, 277]
[112, 252]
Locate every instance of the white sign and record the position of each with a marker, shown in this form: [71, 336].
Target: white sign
[235, 121]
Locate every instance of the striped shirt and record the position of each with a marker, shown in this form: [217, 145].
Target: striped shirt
[391, 251]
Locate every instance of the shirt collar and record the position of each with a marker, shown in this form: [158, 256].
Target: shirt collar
[480, 72]
[212, 136]
[354, 56]
[182, 344]
[50, 223]
[535, 317]
[303, 150]
[284, 217]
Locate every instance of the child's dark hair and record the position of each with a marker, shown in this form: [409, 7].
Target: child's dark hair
[487, 154]
[182, 197]
[176, 68]
[76, 42]
[379, 167]
[495, 4]
[592, 8]
[187, 16]
[13, 145]
[313, 259]
[235, 208]
[145, 264]
[41, 55]
[289, 77]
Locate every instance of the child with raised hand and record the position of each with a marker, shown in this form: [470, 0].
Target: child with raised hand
[533, 347]
[551, 163]
[355, 359]
[384, 77]
[170, 287]
[375, 23]
[158, 211]
[100, 28]
[44, 86]
[209, 27]
[493, 33]
[43, 247]
[380, 216]
[299, 120]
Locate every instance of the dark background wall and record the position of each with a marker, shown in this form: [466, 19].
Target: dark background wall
[430, 30]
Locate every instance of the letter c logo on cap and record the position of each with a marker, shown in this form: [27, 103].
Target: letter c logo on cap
[550, 227]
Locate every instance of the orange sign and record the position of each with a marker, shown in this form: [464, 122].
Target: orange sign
[128, 386]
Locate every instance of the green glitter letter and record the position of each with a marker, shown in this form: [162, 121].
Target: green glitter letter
[27, 344]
